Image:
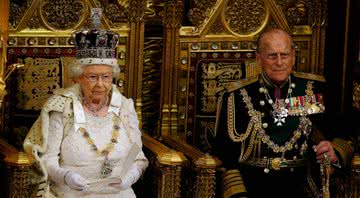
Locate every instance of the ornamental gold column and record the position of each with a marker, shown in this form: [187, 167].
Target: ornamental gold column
[19, 165]
[135, 54]
[4, 21]
[169, 70]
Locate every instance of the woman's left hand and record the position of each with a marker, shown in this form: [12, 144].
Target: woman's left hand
[325, 147]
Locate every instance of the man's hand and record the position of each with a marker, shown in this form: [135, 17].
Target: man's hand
[325, 147]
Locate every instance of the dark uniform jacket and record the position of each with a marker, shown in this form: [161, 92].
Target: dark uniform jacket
[268, 157]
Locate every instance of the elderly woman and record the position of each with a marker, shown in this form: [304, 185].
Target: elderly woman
[87, 140]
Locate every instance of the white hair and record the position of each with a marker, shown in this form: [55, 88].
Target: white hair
[76, 67]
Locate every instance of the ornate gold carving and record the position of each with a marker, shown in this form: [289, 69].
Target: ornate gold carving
[19, 181]
[172, 158]
[298, 12]
[245, 18]
[47, 41]
[173, 14]
[215, 76]
[34, 22]
[207, 161]
[18, 165]
[172, 22]
[168, 166]
[137, 10]
[205, 168]
[17, 11]
[205, 183]
[19, 159]
[356, 96]
[217, 27]
[116, 11]
[170, 181]
[36, 82]
[199, 12]
[277, 14]
[62, 14]
[150, 9]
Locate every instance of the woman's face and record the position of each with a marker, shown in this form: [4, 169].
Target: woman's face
[96, 82]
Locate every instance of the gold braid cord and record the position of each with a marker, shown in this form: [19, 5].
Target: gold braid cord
[254, 124]
[325, 168]
[255, 127]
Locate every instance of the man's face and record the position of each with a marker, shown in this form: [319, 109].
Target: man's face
[276, 57]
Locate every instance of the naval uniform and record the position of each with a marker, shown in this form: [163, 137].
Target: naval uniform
[265, 135]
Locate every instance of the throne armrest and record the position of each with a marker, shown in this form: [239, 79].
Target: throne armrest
[18, 165]
[165, 165]
[204, 164]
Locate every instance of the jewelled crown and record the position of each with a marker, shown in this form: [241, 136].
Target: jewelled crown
[96, 45]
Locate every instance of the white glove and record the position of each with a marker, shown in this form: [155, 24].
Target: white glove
[76, 181]
[130, 178]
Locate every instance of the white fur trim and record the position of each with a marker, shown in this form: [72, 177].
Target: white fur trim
[97, 61]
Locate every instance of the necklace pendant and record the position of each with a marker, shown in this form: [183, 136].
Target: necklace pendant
[106, 168]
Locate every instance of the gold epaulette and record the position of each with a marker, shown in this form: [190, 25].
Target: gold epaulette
[345, 149]
[233, 184]
[309, 76]
[241, 83]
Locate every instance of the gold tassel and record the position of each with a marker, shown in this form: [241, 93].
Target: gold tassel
[325, 169]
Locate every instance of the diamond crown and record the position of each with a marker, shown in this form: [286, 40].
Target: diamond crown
[96, 42]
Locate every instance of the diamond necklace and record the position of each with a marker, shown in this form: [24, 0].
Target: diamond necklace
[95, 109]
[280, 112]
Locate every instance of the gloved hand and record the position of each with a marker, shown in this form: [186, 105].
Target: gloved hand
[76, 181]
[130, 178]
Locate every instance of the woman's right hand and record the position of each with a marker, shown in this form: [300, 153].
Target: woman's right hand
[76, 181]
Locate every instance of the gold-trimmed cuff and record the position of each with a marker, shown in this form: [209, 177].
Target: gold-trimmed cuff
[345, 149]
[233, 184]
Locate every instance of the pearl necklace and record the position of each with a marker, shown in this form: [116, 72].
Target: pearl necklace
[280, 112]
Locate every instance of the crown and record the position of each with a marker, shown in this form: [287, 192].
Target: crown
[96, 45]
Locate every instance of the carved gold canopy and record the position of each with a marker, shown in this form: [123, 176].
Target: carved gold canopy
[219, 47]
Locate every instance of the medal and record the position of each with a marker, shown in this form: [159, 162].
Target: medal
[280, 113]
[106, 168]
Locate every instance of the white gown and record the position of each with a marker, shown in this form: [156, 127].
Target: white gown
[72, 152]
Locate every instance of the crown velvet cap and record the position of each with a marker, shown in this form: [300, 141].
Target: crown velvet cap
[95, 45]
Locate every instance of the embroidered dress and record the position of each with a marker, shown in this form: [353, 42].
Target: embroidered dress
[64, 146]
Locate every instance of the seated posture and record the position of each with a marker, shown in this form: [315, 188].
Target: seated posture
[269, 130]
[87, 141]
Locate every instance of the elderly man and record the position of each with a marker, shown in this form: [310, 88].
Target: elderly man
[269, 130]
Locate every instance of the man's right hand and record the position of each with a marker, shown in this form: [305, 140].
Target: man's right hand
[76, 181]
